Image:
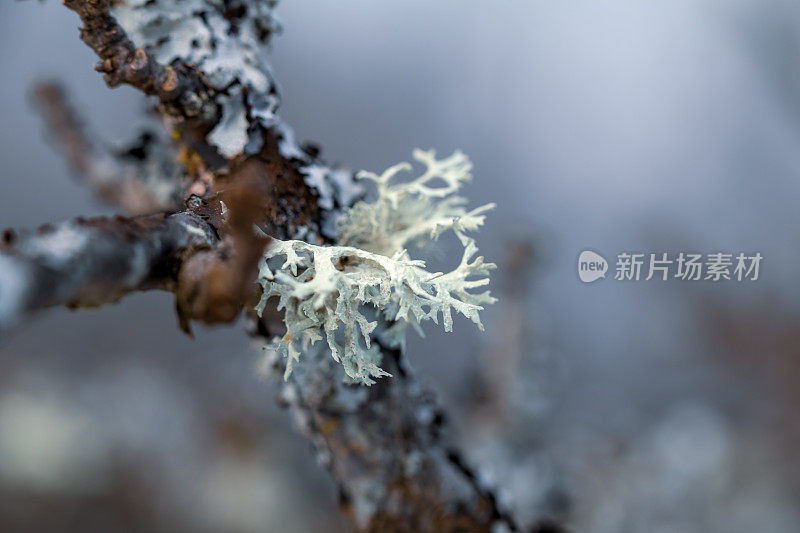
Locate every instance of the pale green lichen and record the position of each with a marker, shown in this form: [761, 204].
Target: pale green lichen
[332, 289]
[414, 211]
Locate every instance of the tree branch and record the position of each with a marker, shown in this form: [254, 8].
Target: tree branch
[116, 183]
[180, 89]
[92, 262]
[208, 255]
[385, 449]
[381, 444]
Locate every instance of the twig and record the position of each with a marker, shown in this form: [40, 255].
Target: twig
[179, 88]
[114, 182]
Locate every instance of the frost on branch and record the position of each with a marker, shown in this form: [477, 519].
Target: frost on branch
[335, 290]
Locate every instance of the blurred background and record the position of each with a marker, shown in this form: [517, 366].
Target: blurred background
[615, 126]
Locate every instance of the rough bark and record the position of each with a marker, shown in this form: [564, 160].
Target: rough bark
[180, 89]
[92, 262]
[207, 255]
[385, 447]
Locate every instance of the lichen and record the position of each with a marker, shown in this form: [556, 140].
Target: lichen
[228, 50]
[342, 290]
[413, 212]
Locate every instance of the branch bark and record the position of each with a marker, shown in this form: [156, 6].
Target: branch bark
[384, 446]
[180, 89]
[97, 261]
[207, 255]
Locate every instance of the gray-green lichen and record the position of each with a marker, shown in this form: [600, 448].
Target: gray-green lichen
[335, 290]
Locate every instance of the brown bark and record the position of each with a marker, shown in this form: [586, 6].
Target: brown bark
[180, 89]
[93, 262]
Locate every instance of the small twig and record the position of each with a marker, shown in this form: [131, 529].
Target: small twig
[114, 182]
[179, 88]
